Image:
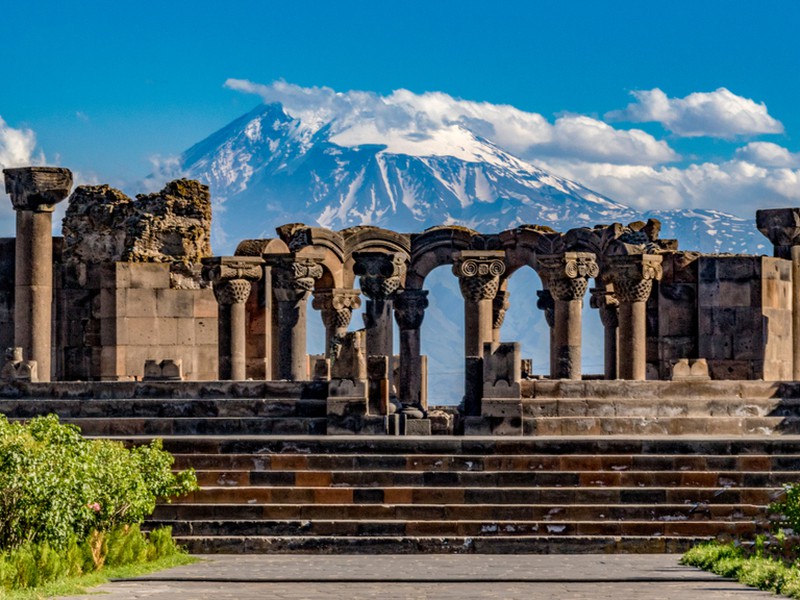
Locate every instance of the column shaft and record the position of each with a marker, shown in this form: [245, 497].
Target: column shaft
[410, 388]
[610, 352]
[379, 327]
[291, 340]
[567, 336]
[33, 296]
[632, 340]
[232, 341]
[796, 312]
[477, 326]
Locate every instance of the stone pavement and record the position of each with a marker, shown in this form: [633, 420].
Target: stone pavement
[502, 577]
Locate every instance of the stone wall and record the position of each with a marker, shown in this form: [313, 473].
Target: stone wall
[7, 292]
[745, 317]
[676, 312]
[143, 318]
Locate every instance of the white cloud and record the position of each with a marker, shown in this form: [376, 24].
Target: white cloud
[720, 114]
[734, 186]
[17, 149]
[435, 122]
[767, 154]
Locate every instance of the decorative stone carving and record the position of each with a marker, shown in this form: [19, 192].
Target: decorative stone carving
[37, 189]
[381, 274]
[566, 275]
[633, 275]
[231, 276]
[782, 227]
[293, 278]
[478, 274]
[336, 306]
[17, 369]
[500, 305]
[409, 308]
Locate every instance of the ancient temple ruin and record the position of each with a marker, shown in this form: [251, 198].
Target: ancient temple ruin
[132, 293]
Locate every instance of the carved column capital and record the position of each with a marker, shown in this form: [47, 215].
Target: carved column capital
[566, 275]
[409, 308]
[478, 273]
[782, 227]
[293, 278]
[500, 305]
[381, 274]
[336, 306]
[37, 189]
[231, 276]
[632, 275]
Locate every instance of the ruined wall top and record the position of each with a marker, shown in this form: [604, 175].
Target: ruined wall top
[103, 225]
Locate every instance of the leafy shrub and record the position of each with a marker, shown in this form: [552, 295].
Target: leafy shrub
[55, 485]
[788, 508]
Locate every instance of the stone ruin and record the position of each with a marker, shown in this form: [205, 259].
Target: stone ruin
[131, 292]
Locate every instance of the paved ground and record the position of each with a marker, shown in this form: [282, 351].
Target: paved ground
[529, 577]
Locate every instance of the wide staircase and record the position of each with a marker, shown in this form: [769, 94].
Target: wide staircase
[270, 485]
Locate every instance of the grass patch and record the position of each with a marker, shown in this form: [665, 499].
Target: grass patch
[79, 585]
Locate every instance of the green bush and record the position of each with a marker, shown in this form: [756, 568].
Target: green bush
[34, 564]
[788, 508]
[56, 486]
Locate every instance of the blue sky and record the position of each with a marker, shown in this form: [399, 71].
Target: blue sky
[105, 87]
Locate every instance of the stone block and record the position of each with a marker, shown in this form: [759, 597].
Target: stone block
[735, 293]
[152, 370]
[501, 389]
[185, 332]
[473, 385]
[730, 369]
[690, 369]
[415, 426]
[167, 331]
[347, 388]
[501, 362]
[204, 305]
[736, 268]
[505, 407]
[140, 302]
[320, 367]
[206, 331]
[707, 269]
[149, 276]
[175, 303]
[350, 361]
[526, 368]
[141, 331]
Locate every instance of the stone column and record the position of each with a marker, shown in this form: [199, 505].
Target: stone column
[607, 304]
[231, 277]
[292, 281]
[632, 276]
[546, 303]
[478, 275]
[500, 305]
[409, 310]
[782, 227]
[381, 275]
[336, 306]
[566, 276]
[34, 192]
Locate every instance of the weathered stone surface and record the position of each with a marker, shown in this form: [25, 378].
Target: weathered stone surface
[37, 189]
[103, 225]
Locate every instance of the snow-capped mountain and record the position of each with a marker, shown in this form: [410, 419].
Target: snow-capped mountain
[268, 168]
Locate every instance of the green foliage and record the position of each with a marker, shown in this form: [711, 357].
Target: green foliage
[34, 564]
[56, 485]
[788, 508]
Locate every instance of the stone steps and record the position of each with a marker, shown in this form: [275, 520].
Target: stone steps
[655, 425]
[165, 408]
[662, 407]
[256, 462]
[213, 426]
[542, 544]
[496, 528]
[476, 494]
[234, 513]
[339, 479]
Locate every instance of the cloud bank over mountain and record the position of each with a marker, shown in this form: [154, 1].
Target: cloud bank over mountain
[628, 164]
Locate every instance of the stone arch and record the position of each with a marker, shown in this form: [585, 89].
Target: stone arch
[437, 246]
[366, 238]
